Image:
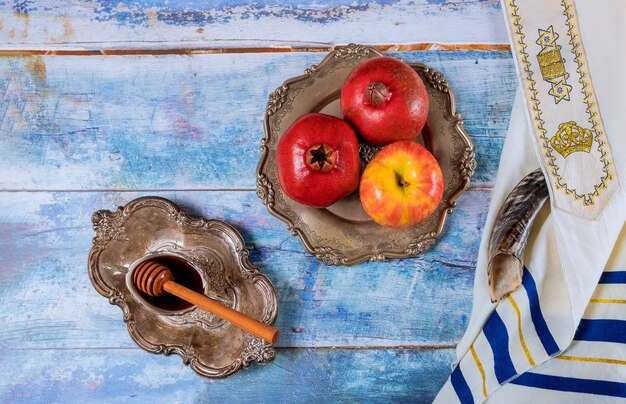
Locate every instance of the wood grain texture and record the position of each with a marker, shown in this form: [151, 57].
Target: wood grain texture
[211, 51]
[172, 123]
[296, 375]
[188, 122]
[196, 24]
[48, 302]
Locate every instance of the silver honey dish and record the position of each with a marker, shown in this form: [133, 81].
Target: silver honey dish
[206, 255]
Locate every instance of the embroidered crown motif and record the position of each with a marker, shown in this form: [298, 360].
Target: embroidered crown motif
[571, 138]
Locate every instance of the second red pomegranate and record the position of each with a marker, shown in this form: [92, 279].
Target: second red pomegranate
[385, 100]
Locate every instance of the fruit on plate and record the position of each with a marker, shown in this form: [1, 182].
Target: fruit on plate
[318, 160]
[402, 185]
[385, 100]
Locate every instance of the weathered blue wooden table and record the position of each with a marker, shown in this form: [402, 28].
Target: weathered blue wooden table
[102, 102]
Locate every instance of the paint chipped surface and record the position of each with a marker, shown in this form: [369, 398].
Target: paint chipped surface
[303, 376]
[220, 12]
[227, 13]
[81, 125]
[22, 7]
[36, 67]
[150, 24]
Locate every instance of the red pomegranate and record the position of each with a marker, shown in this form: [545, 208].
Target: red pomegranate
[318, 160]
[385, 100]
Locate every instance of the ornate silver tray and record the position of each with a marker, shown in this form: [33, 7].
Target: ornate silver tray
[342, 234]
[208, 256]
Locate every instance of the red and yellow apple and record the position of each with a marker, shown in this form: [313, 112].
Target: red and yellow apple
[402, 185]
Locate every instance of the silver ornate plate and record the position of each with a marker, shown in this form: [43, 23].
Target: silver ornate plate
[208, 256]
[342, 234]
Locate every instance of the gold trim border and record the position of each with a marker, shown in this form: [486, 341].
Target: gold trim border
[590, 100]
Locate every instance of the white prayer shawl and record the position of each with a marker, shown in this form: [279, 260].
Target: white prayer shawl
[562, 335]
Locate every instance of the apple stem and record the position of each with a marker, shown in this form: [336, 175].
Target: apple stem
[400, 181]
[320, 157]
[376, 94]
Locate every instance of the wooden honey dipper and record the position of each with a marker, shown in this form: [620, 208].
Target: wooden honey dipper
[154, 279]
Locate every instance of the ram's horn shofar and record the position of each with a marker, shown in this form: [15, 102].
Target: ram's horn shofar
[510, 234]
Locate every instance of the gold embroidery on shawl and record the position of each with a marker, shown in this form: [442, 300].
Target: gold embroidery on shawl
[552, 65]
[589, 198]
[571, 138]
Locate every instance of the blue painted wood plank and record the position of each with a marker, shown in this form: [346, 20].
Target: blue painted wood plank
[194, 122]
[188, 122]
[48, 302]
[98, 24]
[296, 375]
